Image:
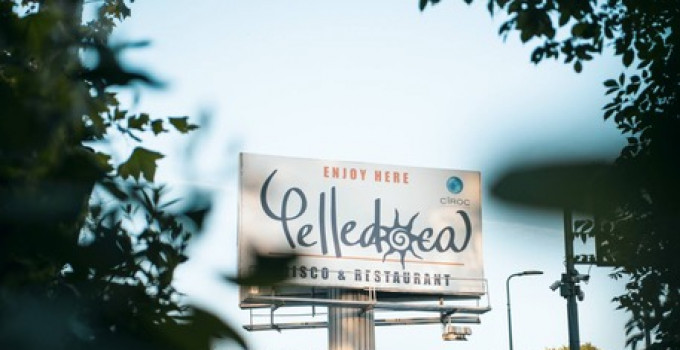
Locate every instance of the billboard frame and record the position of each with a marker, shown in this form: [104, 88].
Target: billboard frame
[434, 283]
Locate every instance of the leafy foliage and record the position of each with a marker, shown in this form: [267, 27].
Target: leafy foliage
[84, 270]
[638, 198]
[586, 346]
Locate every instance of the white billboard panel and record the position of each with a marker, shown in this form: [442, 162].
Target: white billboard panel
[358, 225]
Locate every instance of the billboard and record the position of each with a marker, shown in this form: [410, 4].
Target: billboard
[363, 226]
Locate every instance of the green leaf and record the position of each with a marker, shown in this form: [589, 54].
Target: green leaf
[611, 105]
[36, 29]
[611, 83]
[202, 330]
[579, 28]
[628, 58]
[123, 11]
[157, 126]
[609, 113]
[644, 63]
[564, 18]
[267, 270]
[142, 163]
[138, 122]
[119, 114]
[181, 124]
[104, 161]
[98, 125]
[608, 33]
[526, 35]
[198, 216]
[578, 66]
[502, 3]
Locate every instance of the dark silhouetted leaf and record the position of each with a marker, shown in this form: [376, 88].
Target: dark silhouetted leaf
[138, 122]
[628, 58]
[611, 83]
[181, 124]
[558, 186]
[157, 126]
[104, 161]
[200, 330]
[267, 270]
[142, 163]
[198, 215]
[114, 190]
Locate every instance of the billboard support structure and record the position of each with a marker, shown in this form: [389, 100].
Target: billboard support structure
[350, 327]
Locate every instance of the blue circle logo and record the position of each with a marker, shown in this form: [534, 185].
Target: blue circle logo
[454, 184]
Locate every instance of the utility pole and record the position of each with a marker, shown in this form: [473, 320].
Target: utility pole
[569, 288]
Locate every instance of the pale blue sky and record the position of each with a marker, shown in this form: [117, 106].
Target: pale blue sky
[380, 82]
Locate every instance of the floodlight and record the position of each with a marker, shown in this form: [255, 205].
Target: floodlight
[581, 277]
[555, 285]
[531, 272]
[455, 333]
[579, 293]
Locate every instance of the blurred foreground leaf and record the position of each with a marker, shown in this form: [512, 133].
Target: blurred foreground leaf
[583, 186]
[267, 270]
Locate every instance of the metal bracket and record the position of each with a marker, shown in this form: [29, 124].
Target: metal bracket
[444, 315]
[271, 318]
[372, 298]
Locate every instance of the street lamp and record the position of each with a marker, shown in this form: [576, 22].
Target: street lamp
[507, 292]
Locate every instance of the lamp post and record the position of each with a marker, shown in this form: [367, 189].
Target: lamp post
[507, 293]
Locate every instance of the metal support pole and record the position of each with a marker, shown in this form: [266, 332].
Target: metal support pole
[350, 328]
[569, 283]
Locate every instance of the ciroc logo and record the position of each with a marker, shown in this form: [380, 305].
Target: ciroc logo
[454, 184]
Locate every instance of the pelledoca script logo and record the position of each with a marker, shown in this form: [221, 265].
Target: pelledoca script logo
[397, 238]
